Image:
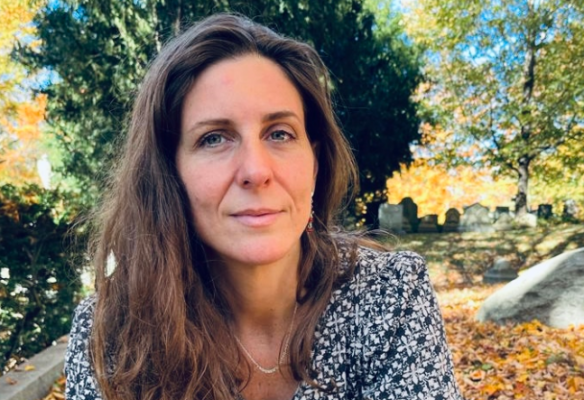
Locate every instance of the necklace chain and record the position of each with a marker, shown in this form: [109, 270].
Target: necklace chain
[282, 356]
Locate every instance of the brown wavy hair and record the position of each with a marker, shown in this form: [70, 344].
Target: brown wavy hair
[161, 328]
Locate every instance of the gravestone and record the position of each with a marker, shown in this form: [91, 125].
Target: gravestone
[570, 210]
[501, 271]
[391, 217]
[544, 211]
[500, 211]
[410, 214]
[428, 224]
[526, 220]
[551, 292]
[475, 218]
[452, 221]
[504, 223]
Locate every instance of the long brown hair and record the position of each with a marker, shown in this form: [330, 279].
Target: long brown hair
[160, 327]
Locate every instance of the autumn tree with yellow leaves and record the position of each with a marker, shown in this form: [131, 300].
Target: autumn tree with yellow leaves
[21, 111]
[436, 186]
[506, 81]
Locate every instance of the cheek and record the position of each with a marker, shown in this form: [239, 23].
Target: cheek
[301, 180]
[198, 185]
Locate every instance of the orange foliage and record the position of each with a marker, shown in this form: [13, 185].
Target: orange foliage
[20, 113]
[19, 145]
[524, 361]
[435, 188]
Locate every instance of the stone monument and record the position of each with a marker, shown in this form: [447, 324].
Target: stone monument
[544, 211]
[475, 218]
[410, 214]
[570, 210]
[501, 271]
[391, 217]
[504, 223]
[452, 221]
[428, 224]
[551, 292]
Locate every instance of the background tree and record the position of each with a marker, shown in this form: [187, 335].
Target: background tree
[21, 111]
[100, 49]
[508, 79]
[436, 187]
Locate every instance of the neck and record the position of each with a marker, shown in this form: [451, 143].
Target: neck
[260, 296]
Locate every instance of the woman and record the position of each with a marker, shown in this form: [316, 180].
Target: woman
[230, 280]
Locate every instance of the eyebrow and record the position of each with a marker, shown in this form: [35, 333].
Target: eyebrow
[225, 121]
[279, 115]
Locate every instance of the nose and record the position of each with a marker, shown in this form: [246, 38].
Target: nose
[255, 165]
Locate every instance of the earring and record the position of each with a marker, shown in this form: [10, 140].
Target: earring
[310, 226]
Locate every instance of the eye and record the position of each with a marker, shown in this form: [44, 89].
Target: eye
[281, 136]
[213, 139]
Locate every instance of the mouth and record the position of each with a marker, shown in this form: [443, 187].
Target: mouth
[256, 218]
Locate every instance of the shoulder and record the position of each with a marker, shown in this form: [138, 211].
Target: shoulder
[78, 345]
[81, 384]
[83, 318]
[385, 289]
[383, 276]
[374, 264]
[356, 341]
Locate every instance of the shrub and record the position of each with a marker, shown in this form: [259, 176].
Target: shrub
[39, 286]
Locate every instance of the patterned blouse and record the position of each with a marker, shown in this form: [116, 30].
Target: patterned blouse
[380, 337]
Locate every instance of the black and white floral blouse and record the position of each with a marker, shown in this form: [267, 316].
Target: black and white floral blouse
[380, 337]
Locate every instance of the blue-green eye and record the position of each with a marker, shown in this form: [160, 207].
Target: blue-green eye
[280, 136]
[212, 140]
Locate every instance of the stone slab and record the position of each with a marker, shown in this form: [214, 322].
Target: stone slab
[551, 292]
[35, 384]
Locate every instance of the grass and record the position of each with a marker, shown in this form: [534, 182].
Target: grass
[460, 259]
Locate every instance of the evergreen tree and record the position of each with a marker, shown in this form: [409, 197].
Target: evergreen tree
[100, 49]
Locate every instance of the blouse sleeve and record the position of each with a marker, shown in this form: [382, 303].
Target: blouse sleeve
[80, 381]
[404, 351]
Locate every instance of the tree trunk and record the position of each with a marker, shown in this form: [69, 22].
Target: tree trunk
[521, 206]
[522, 186]
[176, 25]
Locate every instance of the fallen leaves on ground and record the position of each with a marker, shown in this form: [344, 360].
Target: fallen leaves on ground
[524, 361]
[527, 361]
[57, 390]
[11, 381]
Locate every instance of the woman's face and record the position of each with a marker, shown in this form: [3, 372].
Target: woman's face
[246, 161]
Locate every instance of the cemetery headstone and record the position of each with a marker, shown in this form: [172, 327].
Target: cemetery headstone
[570, 210]
[504, 223]
[410, 214]
[551, 292]
[475, 218]
[544, 211]
[428, 224]
[501, 271]
[500, 211]
[452, 220]
[391, 217]
[526, 220]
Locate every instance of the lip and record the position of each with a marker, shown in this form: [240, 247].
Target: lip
[256, 218]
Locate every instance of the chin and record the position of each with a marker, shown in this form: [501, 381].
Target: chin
[262, 254]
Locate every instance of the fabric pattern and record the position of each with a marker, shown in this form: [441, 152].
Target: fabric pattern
[380, 337]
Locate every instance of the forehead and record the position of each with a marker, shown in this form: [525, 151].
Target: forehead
[236, 87]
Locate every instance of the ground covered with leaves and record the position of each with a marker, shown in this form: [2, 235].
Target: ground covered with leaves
[527, 361]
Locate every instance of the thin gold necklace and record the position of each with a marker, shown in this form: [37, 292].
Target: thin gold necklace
[282, 356]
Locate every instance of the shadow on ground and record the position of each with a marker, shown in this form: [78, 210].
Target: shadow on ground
[460, 259]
